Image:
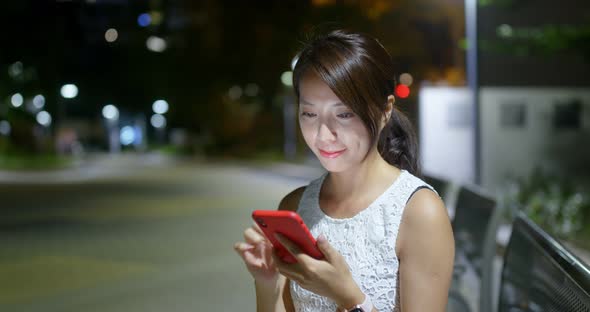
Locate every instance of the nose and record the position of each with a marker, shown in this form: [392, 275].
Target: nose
[326, 134]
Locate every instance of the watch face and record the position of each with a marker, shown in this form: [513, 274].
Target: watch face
[356, 310]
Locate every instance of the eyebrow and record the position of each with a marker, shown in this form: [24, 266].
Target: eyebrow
[304, 102]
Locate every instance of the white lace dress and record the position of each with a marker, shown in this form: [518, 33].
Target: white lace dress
[367, 242]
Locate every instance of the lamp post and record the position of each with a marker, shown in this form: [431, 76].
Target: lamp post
[472, 81]
[111, 115]
[67, 91]
[41, 130]
[158, 120]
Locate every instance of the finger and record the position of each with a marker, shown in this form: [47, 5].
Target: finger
[267, 254]
[254, 256]
[241, 247]
[253, 237]
[294, 268]
[257, 228]
[288, 244]
[247, 252]
[294, 250]
[289, 270]
[330, 253]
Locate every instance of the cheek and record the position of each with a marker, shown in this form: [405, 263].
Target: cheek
[359, 136]
[307, 132]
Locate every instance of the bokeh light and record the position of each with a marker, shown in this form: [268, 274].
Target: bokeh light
[158, 121]
[16, 100]
[156, 17]
[156, 44]
[39, 101]
[43, 118]
[144, 20]
[110, 112]
[69, 91]
[406, 79]
[111, 35]
[15, 69]
[160, 107]
[504, 31]
[287, 78]
[127, 135]
[251, 89]
[4, 127]
[402, 91]
[234, 92]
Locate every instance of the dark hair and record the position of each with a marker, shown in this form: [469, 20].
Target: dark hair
[360, 72]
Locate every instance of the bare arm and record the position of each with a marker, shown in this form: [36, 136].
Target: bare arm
[426, 253]
[278, 297]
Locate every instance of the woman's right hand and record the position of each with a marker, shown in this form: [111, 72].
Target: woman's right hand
[256, 252]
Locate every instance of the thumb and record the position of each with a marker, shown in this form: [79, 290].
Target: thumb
[324, 246]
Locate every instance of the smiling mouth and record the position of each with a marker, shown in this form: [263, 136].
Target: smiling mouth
[331, 154]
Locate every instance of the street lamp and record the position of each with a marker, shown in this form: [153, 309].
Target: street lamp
[41, 131]
[111, 115]
[67, 91]
[158, 121]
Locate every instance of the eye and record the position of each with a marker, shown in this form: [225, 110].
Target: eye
[308, 114]
[346, 115]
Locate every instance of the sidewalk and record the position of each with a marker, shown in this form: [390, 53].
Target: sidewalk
[305, 172]
[100, 166]
[89, 168]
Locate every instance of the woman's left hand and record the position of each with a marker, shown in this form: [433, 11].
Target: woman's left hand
[329, 277]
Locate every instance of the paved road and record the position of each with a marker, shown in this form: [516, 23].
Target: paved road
[154, 237]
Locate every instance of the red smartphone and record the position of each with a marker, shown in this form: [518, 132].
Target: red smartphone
[290, 225]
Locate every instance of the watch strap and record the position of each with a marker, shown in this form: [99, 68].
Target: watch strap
[366, 306]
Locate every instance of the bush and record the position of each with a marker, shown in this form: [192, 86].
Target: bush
[558, 205]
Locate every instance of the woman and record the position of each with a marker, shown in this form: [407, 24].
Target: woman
[385, 234]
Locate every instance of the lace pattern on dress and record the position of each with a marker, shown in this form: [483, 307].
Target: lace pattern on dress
[367, 242]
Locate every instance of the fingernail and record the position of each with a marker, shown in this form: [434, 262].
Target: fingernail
[321, 237]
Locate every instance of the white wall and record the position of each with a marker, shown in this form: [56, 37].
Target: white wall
[515, 150]
[511, 146]
[446, 133]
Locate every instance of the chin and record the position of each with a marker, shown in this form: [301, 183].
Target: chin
[333, 165]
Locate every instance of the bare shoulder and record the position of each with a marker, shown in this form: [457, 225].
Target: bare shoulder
[291, 200]
[424, 217]
[425, 206]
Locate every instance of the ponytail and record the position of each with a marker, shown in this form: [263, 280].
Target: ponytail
[398, 143]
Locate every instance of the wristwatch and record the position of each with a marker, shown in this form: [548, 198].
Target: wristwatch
[366, 306]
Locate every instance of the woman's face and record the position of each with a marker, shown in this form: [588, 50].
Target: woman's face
[334, 133]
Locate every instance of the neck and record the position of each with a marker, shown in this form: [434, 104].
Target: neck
[360, 181]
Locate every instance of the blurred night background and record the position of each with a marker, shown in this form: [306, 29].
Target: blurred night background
[136, 137]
